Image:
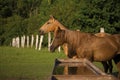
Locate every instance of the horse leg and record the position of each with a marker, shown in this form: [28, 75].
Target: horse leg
[65, 70]
[117, 62]
[110, 65]
[105, 65]
[118, 66]
[65, 48]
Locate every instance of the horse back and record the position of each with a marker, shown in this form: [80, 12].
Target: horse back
[108, 40]
[117, 37]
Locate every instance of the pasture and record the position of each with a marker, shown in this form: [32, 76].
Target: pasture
[29, 64]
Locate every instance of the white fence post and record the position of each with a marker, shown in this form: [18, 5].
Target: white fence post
[102, 30]
[59, 49]
[23, 41]
[49, 41]
[27, 41]
[41, 40]
[32, 41]
[36, 45]
[17, 42]
[13, 42]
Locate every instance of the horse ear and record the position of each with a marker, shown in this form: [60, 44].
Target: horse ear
[59, 29]
[51, 17]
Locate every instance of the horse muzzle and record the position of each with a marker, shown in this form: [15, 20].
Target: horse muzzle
[52, 49]
[41, 32]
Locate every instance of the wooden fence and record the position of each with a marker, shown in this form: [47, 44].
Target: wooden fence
[30, 41]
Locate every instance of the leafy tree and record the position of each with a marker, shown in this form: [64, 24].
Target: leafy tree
[99, 13]
[19, 17]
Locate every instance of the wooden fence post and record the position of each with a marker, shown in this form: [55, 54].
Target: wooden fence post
[23, 41]
[27, 41]
[49, 41]
[17, 42]
[41, 40]
[13, 42]
[36, 45]
[102, 30]
[32, 41]
[59, 48]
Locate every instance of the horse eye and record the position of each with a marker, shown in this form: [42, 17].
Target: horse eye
[48, 22]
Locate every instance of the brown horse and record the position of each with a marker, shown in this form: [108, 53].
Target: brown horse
[116, 58]
[52, 25]
[107, 65]
[87, 45]
[104, 48]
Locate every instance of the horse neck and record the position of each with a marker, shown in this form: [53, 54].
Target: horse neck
[71, 40]
[77, 38]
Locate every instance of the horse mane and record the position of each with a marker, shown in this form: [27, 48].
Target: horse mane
[76, 37]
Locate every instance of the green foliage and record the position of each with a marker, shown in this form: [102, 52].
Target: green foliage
[99, 13]
[18, 17]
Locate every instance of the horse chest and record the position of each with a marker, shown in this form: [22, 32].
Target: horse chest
[84, 52]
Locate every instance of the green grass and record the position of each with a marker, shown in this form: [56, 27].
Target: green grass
[28, 63]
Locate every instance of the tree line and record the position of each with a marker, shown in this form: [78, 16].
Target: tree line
[24, 17]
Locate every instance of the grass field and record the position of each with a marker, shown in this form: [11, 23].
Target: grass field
[28, 63]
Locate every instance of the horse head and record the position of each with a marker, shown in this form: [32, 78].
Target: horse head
[48, 26]
[59, 39]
